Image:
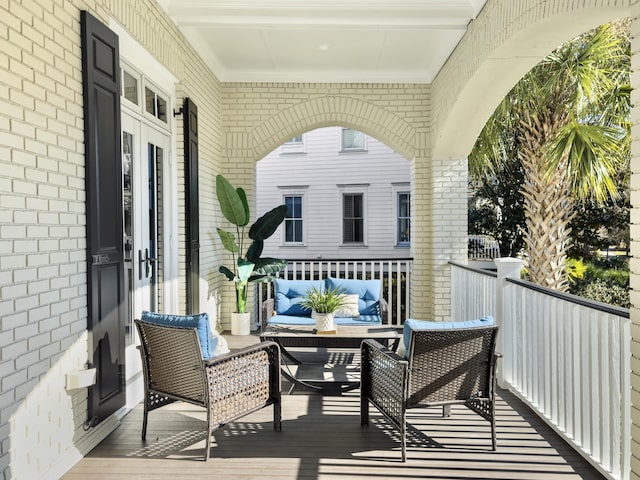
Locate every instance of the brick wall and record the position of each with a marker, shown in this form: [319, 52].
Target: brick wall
[259, 117]
[43, 310]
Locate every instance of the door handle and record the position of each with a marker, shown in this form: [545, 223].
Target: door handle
[141, 260]
[149, 263]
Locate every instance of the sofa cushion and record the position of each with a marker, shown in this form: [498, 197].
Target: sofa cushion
[411, 325]
[363, 320]
[200, 322]
[368, 292]
[289, 294]
[350, 308]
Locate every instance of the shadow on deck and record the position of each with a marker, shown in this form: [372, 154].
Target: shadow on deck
[321, 438]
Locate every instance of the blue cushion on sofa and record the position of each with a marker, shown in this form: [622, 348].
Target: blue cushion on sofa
[368, 292]
[200, 322]
[289, 293]
[299, 320]
[413, 324]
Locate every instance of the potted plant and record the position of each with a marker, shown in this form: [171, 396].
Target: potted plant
[249, 266]
[323, 304]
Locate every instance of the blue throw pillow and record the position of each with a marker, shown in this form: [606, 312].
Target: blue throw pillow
[412, 324]
[368, 292]
[199, 321]
[289, 294]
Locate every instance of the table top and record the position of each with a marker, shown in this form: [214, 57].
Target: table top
[342, 331]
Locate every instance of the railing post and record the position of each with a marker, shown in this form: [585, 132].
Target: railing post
[507, 268]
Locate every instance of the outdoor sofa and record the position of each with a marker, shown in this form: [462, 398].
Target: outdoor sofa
[365, 305]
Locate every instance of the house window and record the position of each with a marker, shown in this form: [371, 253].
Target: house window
[353, 218]
[352, 140]
[293, 221]
[404, 218]
[295, 145]
[155, 104]
[130, 87]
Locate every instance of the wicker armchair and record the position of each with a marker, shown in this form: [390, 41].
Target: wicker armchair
[229, 386]
[443, 367]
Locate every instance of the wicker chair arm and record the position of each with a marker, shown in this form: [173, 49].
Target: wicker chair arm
[243, 381]
[384, 380]
[268, 307]
[271, 348]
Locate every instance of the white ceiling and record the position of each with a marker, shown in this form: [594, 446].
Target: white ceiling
[324, 40]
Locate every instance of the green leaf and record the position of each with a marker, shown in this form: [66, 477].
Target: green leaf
[233, 203]
[227, 273]
[243, 197]
[255, 250]
[267, 224]
[245, 269]
[228, 241]
[268, 265]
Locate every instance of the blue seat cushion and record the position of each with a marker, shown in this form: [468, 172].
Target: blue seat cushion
[200, 322]
[368, 292]
[299, 320]
[289, 294]
[411, 325]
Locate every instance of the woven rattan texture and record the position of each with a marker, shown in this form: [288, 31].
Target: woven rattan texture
[449, 365]
[385, 383]
[175, 362]
[444, 367]
[238, 385]
[230, 385]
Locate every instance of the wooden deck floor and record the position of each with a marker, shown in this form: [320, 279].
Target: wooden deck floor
[321, 438]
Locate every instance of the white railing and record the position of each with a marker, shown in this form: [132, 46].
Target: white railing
[394, 273]
[473, 293]
[483, 247]
[569, 360]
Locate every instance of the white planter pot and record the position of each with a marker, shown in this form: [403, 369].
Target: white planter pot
[324, 322]
[240, 323]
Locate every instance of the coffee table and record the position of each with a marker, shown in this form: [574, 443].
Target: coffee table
[339, 372]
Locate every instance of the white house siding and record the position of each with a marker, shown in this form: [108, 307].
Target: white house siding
[322, 174]
[43, 314]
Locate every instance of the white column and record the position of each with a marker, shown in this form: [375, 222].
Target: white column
[507, 268]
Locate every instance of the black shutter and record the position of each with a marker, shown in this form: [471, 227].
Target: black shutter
[190, 112]
[105, 259]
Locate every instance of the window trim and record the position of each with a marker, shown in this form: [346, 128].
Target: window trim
[293, 147]
[297, 191]
[344, 149]
[354, 190]
[397, 192]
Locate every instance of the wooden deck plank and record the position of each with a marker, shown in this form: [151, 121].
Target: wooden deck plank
[321, 438]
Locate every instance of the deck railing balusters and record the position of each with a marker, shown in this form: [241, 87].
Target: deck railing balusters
[393, 273]
[566, 357]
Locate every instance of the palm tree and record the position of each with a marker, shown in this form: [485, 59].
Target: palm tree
[569, 118]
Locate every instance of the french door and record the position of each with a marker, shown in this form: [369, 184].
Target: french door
[145, 150]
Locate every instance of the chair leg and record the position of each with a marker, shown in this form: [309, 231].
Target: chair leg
[277, 416]
[403, 441]
[494, 443]
[145, 415]
[364, 411]
[207, 445]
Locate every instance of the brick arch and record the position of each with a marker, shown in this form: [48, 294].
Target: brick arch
[489, 61]
[333, 110]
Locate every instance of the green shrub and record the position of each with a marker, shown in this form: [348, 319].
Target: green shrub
[606, 292]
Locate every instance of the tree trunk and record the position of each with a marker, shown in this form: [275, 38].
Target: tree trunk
[548, 203]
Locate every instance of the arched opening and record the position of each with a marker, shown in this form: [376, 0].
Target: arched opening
[349, 215]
